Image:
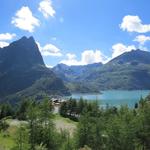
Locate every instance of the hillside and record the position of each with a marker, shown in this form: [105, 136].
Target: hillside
[74, 76]
[23, 72]
[132, 57]
[129, 71]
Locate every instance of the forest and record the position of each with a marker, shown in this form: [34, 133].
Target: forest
[97, 128]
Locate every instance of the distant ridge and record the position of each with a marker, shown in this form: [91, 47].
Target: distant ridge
[138, 56]
[129, 71]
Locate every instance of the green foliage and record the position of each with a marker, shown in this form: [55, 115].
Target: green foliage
[72, 108]
[143, 125]
[21, 139]
[120, 130]
[23, 106]
[67, 144]
[98, 129]
[114, 129]
[90, 128]
[6, 110]
[3, 125]
[42, 131]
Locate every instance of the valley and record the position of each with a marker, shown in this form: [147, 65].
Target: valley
[74, 75]
[129, 71]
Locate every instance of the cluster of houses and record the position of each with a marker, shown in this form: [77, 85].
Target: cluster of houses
[57, 100]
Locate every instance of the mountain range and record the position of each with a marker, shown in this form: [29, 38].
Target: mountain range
[129, 71]
[24, 74]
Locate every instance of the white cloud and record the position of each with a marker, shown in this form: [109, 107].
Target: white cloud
[39, 46]
[7, 36]
[134, 24]
[3, 44]
[49, 50]
[142, 39]
[25, 20]
[143, 48]
[71, 60]
[46, 8]
[49, 66]
[71, 56]
[87, 57]
[120, 48]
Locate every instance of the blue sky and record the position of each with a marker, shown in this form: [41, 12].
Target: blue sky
[77, 32]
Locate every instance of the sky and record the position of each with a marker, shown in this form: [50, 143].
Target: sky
[77, 32]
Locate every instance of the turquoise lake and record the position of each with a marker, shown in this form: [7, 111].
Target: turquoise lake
[115, 97]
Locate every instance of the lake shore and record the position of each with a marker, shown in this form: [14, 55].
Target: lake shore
[114, 97]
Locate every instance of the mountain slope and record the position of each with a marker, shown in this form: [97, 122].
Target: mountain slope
[22, 68]
[74, 76]
[134, 56]
[73, 73]
[129, 71]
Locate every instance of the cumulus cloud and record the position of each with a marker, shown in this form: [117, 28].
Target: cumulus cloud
[120, 48]
[71, 60]
[141, 39]
[134, 24]
[3, 44]
[7, 36]
[87, 57]
[49, 66]
[46, 8]
[143, 48]
[25, 20]
[49, 50]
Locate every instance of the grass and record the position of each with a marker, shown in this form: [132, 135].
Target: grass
[67, 120]
[66, 124]
[7, 138]
[6, 143]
